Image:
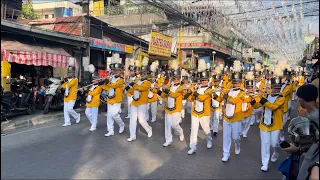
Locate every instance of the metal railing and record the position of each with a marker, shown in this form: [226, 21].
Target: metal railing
[9, 13]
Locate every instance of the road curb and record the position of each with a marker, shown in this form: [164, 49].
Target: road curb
[35, 121]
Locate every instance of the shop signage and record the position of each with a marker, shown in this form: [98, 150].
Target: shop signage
[206, 45]
[109, 45]
[160, 44]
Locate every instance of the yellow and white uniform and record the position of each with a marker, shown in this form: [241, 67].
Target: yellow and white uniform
[248, 116]
[152, 102]
[138, 107]
[258, 111]
[216, 108]
[270, 127]
[200, 114]
[286, 92]
[93, 102]
[130, 93]
[160, 80]
[301, 80]
[115, 95]
[174, 94]
[70, 97]
[233, 116]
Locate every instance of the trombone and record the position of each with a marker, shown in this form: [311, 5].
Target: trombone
[94, 82]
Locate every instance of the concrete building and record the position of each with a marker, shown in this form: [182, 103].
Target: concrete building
[57, 9]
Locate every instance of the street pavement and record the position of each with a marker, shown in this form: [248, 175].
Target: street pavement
[49, 151]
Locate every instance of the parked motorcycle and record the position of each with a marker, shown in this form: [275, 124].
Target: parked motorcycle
[53, 96]
[19, 101]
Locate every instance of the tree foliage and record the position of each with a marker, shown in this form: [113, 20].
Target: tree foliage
[28, 11]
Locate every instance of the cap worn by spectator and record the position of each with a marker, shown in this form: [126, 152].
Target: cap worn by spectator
[308, 92]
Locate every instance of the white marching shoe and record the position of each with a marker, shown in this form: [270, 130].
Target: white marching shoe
[192, 151]
[237, 148]
[66, 124]
[131, 139]
[127, 117]
[121, 129]
[110, 133]
[181, 137]
[150, 133]
[209, 144]
[78, 120]
[92, 129]
[264, 168]
[167, 144]
[274, 157]
[225, 158]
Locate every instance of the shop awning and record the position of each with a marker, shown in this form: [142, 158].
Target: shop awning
[29, 54]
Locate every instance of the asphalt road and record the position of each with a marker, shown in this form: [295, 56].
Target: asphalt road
[54, 152]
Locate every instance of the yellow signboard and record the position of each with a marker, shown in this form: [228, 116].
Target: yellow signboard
[5, 72]
[128, 49]
[160, 44]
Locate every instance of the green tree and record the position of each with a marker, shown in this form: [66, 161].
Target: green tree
[28, 12]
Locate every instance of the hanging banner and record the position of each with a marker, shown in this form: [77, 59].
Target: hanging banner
[247, 52]
[160, 44]
[109, 45]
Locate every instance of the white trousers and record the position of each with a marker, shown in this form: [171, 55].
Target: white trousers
[146, 115]
[189, 107]
[160, 99]
[138, 113]
[215, 118]
[154, 106]
[257, 114]
[113, 115]
[285, 118]
[92, 115]
[68, 109]
[183, 111]
[268, 139]
[205, 124]
[245, 125]
[172, 122]
[230, 129]
[129, 99]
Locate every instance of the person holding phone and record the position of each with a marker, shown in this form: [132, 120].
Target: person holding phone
[271, 122]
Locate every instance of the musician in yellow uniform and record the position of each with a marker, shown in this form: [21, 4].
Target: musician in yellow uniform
[133, 77]
[160, 79]
[93, 102]
[174, 94]
[286, 92]
[139, 103]
[247, 109]
[70, 85]
[216, 102]
[271, 122]
[115, 95]
[185, 81]
[233, 114]
[301, 79]
[260, 87]
[201, 98]
[153, 96]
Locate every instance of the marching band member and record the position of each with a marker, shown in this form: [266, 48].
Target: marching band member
[139, 102]
[233, 114]
[247, 109]
[153, 96]
[174, 94]
[271, 121]
[285, 91]
[70, 85]
[160, 80]
[259, 86]
[216, 102]
[115, 95]
[93, 102]
[185, 80]
[301, 78]
[133, 77]
[201, 99]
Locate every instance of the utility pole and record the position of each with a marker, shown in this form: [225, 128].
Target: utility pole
[85, 61]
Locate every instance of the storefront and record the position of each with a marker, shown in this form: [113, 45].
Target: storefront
[33, 52]
[207, 51]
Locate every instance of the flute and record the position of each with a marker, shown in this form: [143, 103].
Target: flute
[95, 82]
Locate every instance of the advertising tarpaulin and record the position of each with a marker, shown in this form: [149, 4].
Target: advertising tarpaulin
[109, 45]
[160, 44]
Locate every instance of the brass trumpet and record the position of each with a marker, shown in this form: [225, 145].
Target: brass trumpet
[94, 82]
